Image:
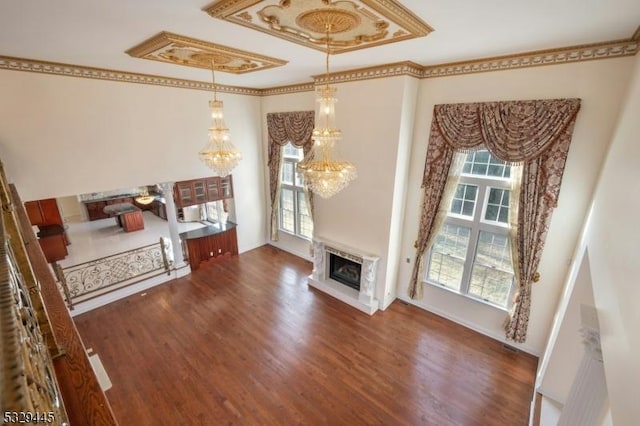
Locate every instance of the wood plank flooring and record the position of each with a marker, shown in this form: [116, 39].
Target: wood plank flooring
[246, 342]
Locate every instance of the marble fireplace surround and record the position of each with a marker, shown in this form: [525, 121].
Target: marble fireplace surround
[362, 300]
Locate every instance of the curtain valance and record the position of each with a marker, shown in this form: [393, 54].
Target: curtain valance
[515, 131]
[295, 127]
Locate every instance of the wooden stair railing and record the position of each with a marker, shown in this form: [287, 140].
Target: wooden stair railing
[83, 399]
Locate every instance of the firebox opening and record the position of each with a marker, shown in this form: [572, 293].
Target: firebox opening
[345, 271]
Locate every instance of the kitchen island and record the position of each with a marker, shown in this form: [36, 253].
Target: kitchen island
[212, 241]
[128, 216]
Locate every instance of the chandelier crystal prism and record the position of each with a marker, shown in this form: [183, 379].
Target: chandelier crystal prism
[220, 155]
[323, 172]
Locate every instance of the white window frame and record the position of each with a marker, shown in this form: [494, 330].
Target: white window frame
[297, 186]
[476, 224]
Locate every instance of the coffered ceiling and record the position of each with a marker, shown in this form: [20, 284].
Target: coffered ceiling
[273, 43]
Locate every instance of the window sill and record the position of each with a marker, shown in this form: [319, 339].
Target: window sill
[468, 297]
[284, 231]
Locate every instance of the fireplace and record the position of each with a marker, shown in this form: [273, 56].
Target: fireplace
[345, 273]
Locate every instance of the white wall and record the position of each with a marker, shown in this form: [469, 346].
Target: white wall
[376, 119]
[62, 136]
[602, 86]
[613, 240]
[370, 115]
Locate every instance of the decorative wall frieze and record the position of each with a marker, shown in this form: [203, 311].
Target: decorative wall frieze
[381, 71]
[605, 50]
[54, 68]
[587, 52]
[285, 90]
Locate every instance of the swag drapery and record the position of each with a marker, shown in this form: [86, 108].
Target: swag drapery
[536, 134]
[284, 127]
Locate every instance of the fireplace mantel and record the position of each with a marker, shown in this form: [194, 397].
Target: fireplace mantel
[362, 300]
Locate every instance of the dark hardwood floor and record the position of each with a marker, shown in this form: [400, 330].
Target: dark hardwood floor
[245, 341]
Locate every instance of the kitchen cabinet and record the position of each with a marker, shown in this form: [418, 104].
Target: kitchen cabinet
[43, 212]
[53, 242]
[213, 187]
[159, 209]
[95, 209]
[199, 191]
[226, 187]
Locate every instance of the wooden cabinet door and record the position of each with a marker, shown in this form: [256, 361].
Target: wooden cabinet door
[34, 212]
[95, 210]
[184, 194]
[43, 212]
[132, 221]
[200, 191]
[226, 187]
[213, 188]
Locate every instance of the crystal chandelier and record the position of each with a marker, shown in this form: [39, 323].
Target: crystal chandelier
[219, 153]
[324, 174]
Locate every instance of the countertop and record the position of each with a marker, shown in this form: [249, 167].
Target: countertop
[206, 231]
[114, 197]
[120, 208]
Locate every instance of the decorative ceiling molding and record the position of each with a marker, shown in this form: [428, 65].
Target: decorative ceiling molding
[180, 50]
[586, 52]
[285, 90]
[382, 71]
[355, 24]
[54, 68]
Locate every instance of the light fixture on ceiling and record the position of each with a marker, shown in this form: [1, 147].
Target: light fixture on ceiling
[219, 153]
[325, 174]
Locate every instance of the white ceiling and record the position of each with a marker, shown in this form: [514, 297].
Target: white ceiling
[97, 33]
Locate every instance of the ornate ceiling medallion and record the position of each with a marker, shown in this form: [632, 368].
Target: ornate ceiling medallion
[180, 50]
[355, 24]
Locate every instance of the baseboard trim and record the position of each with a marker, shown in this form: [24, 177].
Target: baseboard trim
[489, 333]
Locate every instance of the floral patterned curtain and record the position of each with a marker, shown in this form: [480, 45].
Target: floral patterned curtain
[536, 134]
[284, 127]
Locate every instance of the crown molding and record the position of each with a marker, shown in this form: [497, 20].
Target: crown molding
[55, 68]
[285, 90]
[580, 53]
[381, 71]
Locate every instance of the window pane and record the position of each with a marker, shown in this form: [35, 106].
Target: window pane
[299, 179]
[453, 240]
[492, 273]
[491, 284]
[497, 206]
[482, 163]
[306, 225]
[287, 172]
[445, 270]
[464, 200]
[287, 221]
[292, 151]
[491, 213]
[493, 251]
[448, 256]
[482, 157]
